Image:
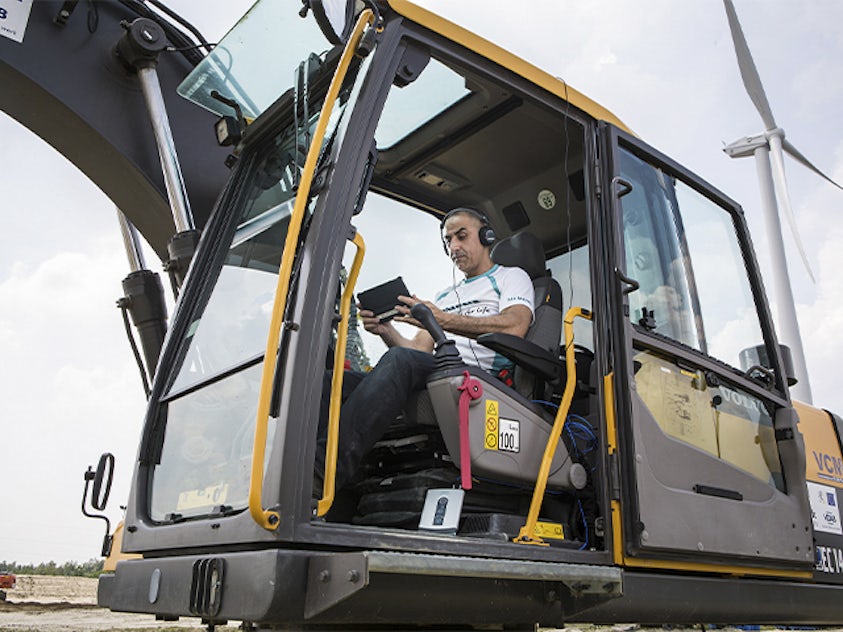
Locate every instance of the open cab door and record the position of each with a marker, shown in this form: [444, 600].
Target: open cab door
[708, 460]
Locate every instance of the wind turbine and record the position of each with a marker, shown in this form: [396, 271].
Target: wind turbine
[769, 146]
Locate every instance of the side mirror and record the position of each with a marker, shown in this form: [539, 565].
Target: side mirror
[757, 356]
[101, 479]
[334, 17]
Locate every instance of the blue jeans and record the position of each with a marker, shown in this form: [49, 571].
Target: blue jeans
[376, 399]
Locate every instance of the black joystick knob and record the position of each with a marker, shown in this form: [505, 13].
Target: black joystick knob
[422, 313]
[444, 350]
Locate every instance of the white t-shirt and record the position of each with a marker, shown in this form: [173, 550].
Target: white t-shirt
[487, 294]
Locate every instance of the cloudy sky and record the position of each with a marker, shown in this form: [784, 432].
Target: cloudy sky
[68, 383]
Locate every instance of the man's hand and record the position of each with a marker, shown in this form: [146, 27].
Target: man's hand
[407, 304]
[391, 336]
[373, 325]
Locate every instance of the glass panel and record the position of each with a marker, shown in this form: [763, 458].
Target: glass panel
[207, 457]
[207, 447]
[400, 240]
[571, 270]
[682, 249]
[720, 419]
[234, 324]
[726, 304]
[237, 67]
[409, 108]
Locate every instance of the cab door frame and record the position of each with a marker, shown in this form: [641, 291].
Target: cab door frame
[646, 528]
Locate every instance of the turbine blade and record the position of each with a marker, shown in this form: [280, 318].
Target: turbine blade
[783, 199]
[799, 157]
[749, 73]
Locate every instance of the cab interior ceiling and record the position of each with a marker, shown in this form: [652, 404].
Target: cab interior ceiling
[495, 151]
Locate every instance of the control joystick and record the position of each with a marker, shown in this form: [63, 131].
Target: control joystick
[444, 350]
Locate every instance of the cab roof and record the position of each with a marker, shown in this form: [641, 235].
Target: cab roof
[506, 59]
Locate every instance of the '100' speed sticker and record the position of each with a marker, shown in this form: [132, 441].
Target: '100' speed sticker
[500, 434]
[509, 435]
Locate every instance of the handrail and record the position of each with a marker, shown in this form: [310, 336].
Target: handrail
[527, 533]
[266, 518]
[331, 447]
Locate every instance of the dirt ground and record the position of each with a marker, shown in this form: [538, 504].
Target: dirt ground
[40, 603]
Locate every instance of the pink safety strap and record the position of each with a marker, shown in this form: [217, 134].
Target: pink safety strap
[469, 389]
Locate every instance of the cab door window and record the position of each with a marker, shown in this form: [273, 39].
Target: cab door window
[683, 250]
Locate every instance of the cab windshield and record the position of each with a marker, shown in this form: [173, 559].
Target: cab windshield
[238, 67]
[209, 408]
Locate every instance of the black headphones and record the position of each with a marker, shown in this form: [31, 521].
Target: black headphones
[486, 233]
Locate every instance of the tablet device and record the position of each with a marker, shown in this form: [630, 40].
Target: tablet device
[382, 299]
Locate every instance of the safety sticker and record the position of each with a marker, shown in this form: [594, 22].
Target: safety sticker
[509, 435]
[825, 511]
[208, 497]
[14, 15]
[491, 429]
[551, 530]
[546, 199]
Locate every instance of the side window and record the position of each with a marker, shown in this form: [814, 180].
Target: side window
[400, 241]
[683, 250]
[571, 269]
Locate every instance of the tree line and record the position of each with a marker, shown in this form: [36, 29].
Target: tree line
[91, 568]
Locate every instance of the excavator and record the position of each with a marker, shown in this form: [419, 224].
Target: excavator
[644, 460]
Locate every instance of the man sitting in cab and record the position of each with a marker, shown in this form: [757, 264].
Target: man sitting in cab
[490, 299]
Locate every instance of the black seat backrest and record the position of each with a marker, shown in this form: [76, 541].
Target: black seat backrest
[524, 250]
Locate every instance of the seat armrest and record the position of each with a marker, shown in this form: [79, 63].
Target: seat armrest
[525, 354]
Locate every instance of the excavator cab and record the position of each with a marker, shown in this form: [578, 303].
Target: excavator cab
[633, 460]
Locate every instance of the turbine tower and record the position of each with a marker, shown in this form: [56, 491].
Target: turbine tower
[769, 147]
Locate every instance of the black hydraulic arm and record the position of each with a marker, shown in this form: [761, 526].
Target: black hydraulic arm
[64, 83]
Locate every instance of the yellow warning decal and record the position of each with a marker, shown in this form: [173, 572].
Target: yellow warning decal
[492, 412]
[551, 530]
[208, 497]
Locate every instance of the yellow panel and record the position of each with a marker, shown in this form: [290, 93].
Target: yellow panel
[679, 404]
[117, 554]
[748, 445]
[823, 462]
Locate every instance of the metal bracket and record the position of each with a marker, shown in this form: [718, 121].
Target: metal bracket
[332, 578]
[64, 13]
[614, 476]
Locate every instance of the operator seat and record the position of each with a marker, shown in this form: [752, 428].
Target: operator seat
[414, 457]
[524, 250]
[508, 431]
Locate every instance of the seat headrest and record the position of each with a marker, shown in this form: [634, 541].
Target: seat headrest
[524, 251]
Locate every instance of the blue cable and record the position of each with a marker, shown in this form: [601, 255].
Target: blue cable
[577, 427]
[584, 524]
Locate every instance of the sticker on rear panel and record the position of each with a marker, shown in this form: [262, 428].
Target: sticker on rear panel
[509, 435]
[14, 15]
[825, 510]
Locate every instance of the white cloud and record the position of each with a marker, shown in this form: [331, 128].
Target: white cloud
[70, 391]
